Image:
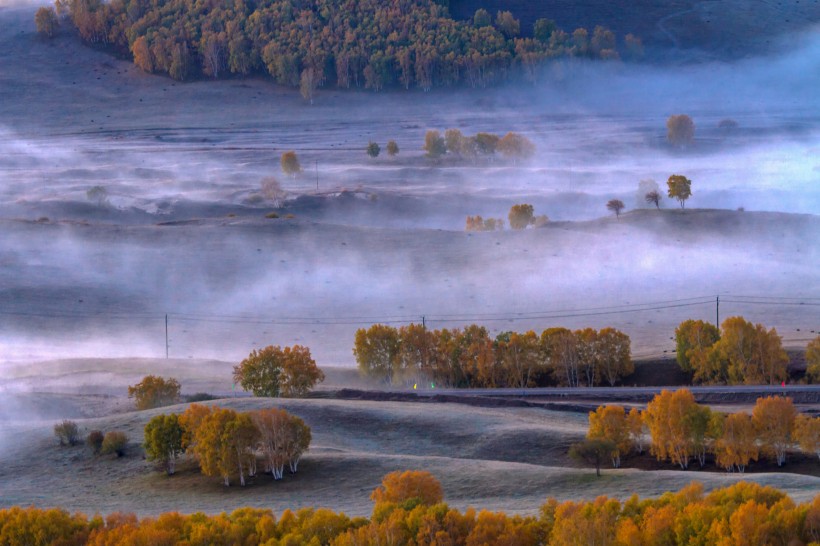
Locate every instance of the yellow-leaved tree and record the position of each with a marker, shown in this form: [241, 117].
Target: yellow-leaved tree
[773, 418]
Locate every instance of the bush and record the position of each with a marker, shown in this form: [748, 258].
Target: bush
[200, 397]
[94, 440]
[114, 442]
[155, 392]
[272, 215]
[67, 432]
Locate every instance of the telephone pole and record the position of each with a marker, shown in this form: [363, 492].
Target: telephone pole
[166, 335]
[717, 311]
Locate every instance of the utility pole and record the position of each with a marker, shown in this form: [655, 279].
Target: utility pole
[166, 335]
[316, 163]
[423, 322]
[717, 311]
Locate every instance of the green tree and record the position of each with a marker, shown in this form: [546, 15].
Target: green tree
[392, 148]
[693, 341]
[376, 350]
[543, 29]
[616, 206]
[482, 18]
[273, 372]
[290, 163]
[508, 25]
[520, 216]
[155, 392]
[434, 144]
[680, 188]
[751, 354]
[45, 19]
[486, 143]
[163, 440]
[593, 451]
[680, 130]
[373, 150]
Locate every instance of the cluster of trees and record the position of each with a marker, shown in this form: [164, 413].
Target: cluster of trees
[468, 357]
[115, 441]
[739, 353]
[409, 511]
[520, 217]
[681, 430]
[373, 149]
[227, 443]
[155, 392]
[274, 371]
[349, 43]
[456, 144]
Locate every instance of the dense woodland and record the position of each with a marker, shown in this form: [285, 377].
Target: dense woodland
[409, 510]
[373, 44]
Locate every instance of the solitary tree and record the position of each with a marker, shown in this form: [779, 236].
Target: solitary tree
[654, 198]
[616, 206]
[373, 149]
[411, 485]
[45, 19]
[154, 392]
[520, 216]
[163, 441]
[680, 130]
[97, 194]
[434, 144]
[392, 148]
[610, 423]
[274, 371]
[593, 451]
[290, 163]
[272, 190]
[680, 188]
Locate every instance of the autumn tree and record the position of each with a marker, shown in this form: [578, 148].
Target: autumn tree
[434, 144]
[736, 443]
[680, 188]
[515, 145]
[373, 150]
[677, 426]
[636, 426]
[680, 130]
[610, 423]
[114, 441]
[45, 19]
[418, 486]
[520, 216]
[616, 206]
[542, 29]
[223, 445]
[376, 350]
[392, 148]
[486, 143]
[163, 441]
[773, 418]
[308, 82]
[593, 452]
[807, 434]
[272, 190]
[155, 392]
[283, 438]
[274, 371]
[508, 25]
[752, 354]
[290, 163]
[67, 432]
[615, 355]
[653, 197]
[693, 342]
[143, 57]
[520, 358]
[560, 347]
[417, 357]
[813, 360]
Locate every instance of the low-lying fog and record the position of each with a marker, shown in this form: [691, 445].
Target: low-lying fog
[72, 119]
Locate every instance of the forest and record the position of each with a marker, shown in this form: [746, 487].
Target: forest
[346, 43]
[409, 510]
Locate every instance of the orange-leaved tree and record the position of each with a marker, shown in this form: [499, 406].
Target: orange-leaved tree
[736, 443]
[678, 426]
[155, 392]
[807, 434]
[773, 418]
[418, 487]
[610, 423]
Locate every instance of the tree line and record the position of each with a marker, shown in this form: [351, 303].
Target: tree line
[682, 431]
[469, 357]
[409, 511]
[347, 43]
[227, 443]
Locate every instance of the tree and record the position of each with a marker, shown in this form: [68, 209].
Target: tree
[615, 355]
[114, 441]
[308, 82]
[773, 418]
[593, 452]
[610, 423]
[654, 197]
[373, 150]
[486, 143]
[515, 146]
[434, 144]
[751, 354]
[155, 392]
[520, 216]
[560, 346]
[645, 186]
[67, 433]
[142, 54]
[392, 148]
[813, 361]
[376, 350]
[520, 358]
[272, 190]
[94, 441]
[163, 440]
[223, 443]
[807, 434]
[97, 194]
[680, 188]
[508, 25]
[417, 356]
[616, 206]
[671, 418]
[482, 18]
[542, 29]
[693, 343]
[45, 19]
[273, 372]
[417, 486]
[680, 130]
[736, 442]
[637, 428]
[290, 163]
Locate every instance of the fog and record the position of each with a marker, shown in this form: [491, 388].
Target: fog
[180, 227]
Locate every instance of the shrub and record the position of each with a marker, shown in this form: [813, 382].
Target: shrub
[272, 215]
[114, 442]
[200, 397]
[155, 392]
[67, 432]
[94, 440]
